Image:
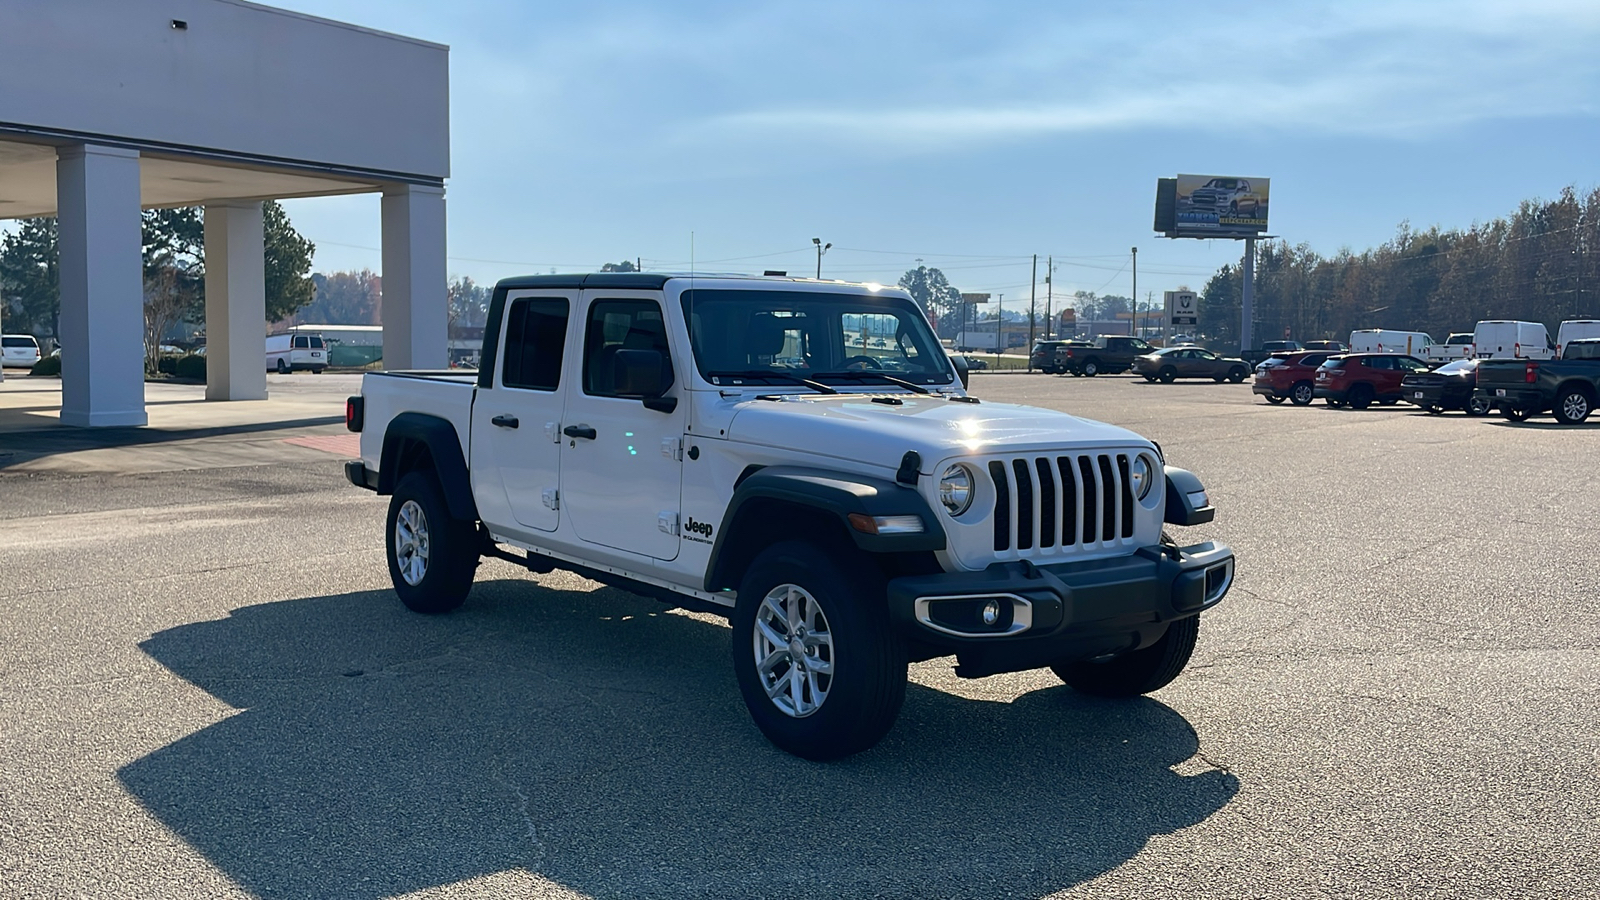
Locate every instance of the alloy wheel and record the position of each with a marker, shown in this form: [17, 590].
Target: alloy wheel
[411, 542]
[793, 647]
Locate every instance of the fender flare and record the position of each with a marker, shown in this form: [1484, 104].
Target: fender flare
[1182, 488]
[410, 429]
[833, 494]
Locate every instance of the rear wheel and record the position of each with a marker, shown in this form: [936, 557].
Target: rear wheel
[1091, 368]
[1572, 406]
[1302, 393]
[1479, 406]
[432, 557]
[818, 664]
[1360, 396]
[1137, 671]
[283, 367]
[1236, 374]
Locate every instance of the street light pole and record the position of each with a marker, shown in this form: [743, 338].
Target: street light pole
[821, 249]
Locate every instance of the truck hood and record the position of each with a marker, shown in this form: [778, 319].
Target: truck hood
[852, 426]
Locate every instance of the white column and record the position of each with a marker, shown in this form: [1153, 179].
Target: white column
[414, 313]
[236, 302]
[102, 286]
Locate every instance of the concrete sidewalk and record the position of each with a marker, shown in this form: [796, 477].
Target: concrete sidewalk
[302, 420]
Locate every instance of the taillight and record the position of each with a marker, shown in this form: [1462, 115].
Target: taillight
[354, 412]
[1516, 349]
[1530, 373]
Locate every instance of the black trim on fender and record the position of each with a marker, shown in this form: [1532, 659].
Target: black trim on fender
[443, 445]
[1180, 484]
[838, 495]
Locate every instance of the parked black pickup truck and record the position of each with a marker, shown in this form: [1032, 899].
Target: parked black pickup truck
[1108, 355]
[1568, 387]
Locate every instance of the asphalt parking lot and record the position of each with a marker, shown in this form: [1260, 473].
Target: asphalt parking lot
[207, 689]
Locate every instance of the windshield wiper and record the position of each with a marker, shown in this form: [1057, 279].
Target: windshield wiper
[873, 373]
[817, 386]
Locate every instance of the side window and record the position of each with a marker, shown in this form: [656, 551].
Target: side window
[536, 333]
[622, 325]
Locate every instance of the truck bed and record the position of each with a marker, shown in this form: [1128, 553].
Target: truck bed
[446, 393]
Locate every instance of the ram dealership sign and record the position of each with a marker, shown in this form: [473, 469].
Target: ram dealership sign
[1211, 206]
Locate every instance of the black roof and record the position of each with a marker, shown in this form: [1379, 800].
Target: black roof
[635, 280]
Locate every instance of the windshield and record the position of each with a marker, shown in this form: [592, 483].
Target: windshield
[743, 334]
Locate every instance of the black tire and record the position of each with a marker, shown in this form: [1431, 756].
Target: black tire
[867, 683]
[1236, 374]
[1478, 406]
[1302, 393]
[1360, 397]
[1151, 379]
[1434, 409]
[317, 370]
[1167, 374]
[1515, 415]
[1273, 400]
[1091, 368]
[283, 367]
[1390, 401]
[1219, 378]
[1335, 403]
[1138, 671]
[1572, 406]
[449, 554]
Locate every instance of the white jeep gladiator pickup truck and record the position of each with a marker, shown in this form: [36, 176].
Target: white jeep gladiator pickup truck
[802, 457]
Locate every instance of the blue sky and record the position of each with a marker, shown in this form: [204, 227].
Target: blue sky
[973, 135]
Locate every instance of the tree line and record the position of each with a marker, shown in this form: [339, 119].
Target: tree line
[1538, 264]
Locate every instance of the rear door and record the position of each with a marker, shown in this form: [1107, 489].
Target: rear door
[621, 472]
[516, 420]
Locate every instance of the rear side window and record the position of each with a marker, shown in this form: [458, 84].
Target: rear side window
[536, 337]
[1379, 362]
[620, 325]
[1315, 359]
[1332, 362]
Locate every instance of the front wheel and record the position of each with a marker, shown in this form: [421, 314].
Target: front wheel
[1151, 379]
[1138, 671]
[1572, 407]
[432, 557]
[1168, 374]
[817, 661]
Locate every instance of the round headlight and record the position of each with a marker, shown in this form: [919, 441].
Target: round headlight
[955, 489]
[1141, 476]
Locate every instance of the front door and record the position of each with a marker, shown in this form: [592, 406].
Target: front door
[621, 468]
[516, 422]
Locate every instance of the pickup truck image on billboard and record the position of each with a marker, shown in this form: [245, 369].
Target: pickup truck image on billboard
[1214, 205]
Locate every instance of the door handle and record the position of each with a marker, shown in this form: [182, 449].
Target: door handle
[578, 431]
[505, 421]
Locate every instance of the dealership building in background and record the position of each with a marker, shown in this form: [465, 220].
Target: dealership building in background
[108, 107]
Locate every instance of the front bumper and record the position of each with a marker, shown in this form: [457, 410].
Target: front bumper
[1058, 613]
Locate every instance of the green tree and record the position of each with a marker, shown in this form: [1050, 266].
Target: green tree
[30, 279]
[288, 264]
[624, 266]
[468, 304]
[938, 299]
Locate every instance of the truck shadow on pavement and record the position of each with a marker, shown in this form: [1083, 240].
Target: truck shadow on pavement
[598, 740]
[23, 446]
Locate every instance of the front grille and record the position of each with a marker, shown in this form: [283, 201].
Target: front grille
[1061, 503]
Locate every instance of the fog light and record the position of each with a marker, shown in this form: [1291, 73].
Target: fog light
[991, 612]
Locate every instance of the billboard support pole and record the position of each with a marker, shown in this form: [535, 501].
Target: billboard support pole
[1245, 341]
[1049, 294]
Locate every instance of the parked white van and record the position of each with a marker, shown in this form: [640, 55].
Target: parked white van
[1380, 340]
[1575, 330]
[1510, 339]
[296, 352]
[18, 350]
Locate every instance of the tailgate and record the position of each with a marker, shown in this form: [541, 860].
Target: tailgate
[1502, 372]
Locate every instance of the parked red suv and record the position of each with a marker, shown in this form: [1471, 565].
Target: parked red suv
[1289, 376]
[1360, 378]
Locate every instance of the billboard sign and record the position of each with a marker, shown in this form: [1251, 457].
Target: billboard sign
[1183, 308]
[1218, 206]
[974, 298]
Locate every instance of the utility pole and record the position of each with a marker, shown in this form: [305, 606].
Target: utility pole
[1033, 308]
[1135, 331]
[1049, 279]
[999, 327]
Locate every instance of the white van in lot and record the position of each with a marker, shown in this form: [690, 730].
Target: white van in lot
[1575, 330]
[1510, 339]
[296, 352]
[18, 350]
[1381, 340]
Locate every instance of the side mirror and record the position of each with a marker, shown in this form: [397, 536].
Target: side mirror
[960, 362]
[644, 374]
